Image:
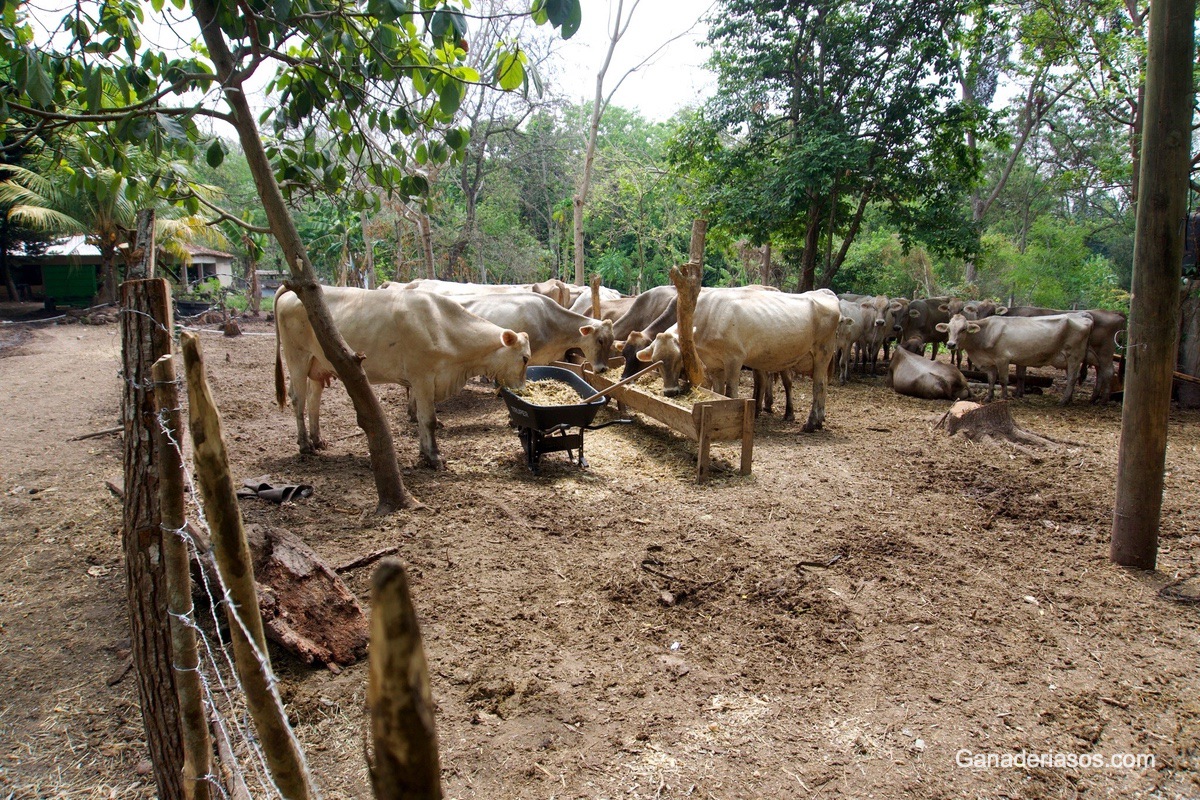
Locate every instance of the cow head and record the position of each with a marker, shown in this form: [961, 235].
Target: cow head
[510, 360]
[914, 344]
[597, 343]
[955, 328]
[633, 343]
[898, 308]
[665, 348]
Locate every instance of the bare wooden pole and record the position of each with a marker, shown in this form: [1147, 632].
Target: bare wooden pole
[145, 337]
[402, 725]
[144, 256]
[1154, 309]
[596, 296]
[197, 749]
[232, 554]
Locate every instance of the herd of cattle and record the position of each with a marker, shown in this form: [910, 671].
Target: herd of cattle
[432, 336]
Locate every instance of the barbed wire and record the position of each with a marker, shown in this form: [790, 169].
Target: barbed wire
[217, 670]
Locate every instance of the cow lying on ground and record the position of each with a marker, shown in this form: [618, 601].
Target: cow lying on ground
[765, 330]
[996, 342]
[912, 375]
[421, 340]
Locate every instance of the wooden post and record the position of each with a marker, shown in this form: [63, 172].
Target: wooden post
[596, 297]
[197, 749]
[687, 280]
[398, 695]
[704, 444]
[145, 337]
[747, 437]
[232, 554]
[144, 255]
[696, 246]
[1154, 309]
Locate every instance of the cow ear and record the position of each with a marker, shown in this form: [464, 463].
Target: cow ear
[644, 355]
[942, 327]
[587, 330]
[1001, 311]
[865, 305]
[972, 328]
[894, 306]
[509, 338]
[912, 312]
[944, 307]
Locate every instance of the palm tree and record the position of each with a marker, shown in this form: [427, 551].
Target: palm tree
[101, 204]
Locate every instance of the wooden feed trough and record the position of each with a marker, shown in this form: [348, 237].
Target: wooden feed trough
[715, 418]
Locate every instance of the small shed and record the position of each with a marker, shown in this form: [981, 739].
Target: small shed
[203, 263]
[64, 273]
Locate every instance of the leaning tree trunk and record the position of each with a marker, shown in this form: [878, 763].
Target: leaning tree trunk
[1189, 344]
[369, 413]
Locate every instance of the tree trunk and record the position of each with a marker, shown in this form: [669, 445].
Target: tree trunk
[808, 261]
[145, 337]
[369, 413]
[253, 289]
[765, 278]
[1158, 258]
[9, 284]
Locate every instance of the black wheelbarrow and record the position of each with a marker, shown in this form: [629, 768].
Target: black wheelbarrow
[544, 429]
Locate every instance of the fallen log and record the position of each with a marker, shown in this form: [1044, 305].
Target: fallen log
[1180, 377]
[1041, 381]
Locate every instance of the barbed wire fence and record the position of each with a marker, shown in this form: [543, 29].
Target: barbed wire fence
[226, 692]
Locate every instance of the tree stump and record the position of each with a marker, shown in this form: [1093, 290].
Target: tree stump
[306, 607]
[993, 421]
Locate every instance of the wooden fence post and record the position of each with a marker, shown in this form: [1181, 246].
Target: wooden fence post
[232, 554]
[145, 337]
[1158, 261]
[402, 726]
[197, 749]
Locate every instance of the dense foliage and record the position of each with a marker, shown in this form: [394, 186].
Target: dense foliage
[985, 149]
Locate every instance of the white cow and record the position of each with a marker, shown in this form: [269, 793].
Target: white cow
[421, 340]
[764, 330]
[996, 342]
[552, 329]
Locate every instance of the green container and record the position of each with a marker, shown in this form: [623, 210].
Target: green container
[70, 284]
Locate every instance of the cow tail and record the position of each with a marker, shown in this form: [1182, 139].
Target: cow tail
[280, 385]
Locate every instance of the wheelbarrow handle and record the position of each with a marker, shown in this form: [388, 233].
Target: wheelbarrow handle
[620, 383]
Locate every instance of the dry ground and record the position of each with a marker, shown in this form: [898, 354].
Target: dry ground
[969, 603]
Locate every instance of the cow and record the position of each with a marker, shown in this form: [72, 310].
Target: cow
[576, 291]
[922, 320]
[910, 374]
[421, 340]
[552, 329]
[860, 320]
[1102, 344]
[609, 309]
[555, 289]
[646, 307]
[995, 342]
[764, 330]
[879, 331]
[451, 288]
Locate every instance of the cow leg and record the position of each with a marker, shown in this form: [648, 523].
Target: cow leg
[1019, 392]
[427, 426]
[298, 391]
[993, 377]
[315, 389]
[789, 413]
[1002, 374]
[1102, 392]
[816, 416]
[1073, 370]
[933, 350]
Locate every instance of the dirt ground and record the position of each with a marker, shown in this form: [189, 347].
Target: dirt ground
[873, 602]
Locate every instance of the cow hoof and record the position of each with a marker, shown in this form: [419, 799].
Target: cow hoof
[306, 450]
[789, 417]
[437, 463]
[318, 444]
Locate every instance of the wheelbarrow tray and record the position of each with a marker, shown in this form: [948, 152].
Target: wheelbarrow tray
[543, 429]
[525, 414]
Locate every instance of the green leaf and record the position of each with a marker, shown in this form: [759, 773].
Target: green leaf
[451, 97]
[456, 138]
[439, 24]
[37, 82]
[93, 84]
[215, 154]
[171, 128]
[510, 72]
